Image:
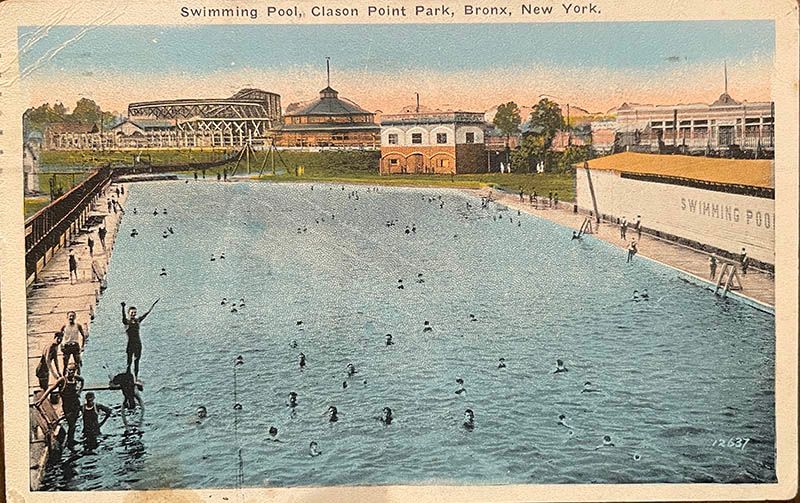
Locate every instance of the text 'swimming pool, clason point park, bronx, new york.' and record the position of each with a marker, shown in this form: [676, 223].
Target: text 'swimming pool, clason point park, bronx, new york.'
[399, 245]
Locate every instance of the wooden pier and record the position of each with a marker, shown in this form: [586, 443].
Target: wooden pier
[51, 296]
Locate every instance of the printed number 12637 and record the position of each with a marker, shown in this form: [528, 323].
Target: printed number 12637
[733, 442]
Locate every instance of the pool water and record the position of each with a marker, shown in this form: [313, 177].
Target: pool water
[675, 374]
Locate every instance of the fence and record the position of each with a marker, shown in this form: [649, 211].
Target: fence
[52, 226]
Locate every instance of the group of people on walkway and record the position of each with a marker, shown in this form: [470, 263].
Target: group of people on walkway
[61, 382]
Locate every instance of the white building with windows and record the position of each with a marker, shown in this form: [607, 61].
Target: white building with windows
[433, 142]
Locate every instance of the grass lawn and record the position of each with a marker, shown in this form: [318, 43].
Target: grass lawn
[92, 158]
[355, 166]
[34, 204]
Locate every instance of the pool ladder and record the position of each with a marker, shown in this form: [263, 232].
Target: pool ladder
[728, 280]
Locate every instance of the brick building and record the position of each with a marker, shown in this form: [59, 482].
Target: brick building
[433, 142]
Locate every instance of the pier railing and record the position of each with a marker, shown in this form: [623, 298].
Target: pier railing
[53, 226]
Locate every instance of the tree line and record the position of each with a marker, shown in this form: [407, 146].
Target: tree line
[537, 136]
[86, 111]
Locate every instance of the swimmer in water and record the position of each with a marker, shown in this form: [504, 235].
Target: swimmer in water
[419, 278]
[469, 420]
[389, 340]
[332, 413]
[292, 400]
[222, 256]
[636, 296]
[606, 442]
[239, 360]
[212, 258]
[589, 388]
[165, 235]
[201, 413]
[155, 213]
[400, 284]
[273, 434]
[298, 323]
[241, 302]
[645, 295]
[472, 317]
[165, 211]
[461, 389]
[575, 235]
[426, 327]
[386, 416]
[302, 361]
[313, 449]
[562, 421]
[224, 301]
[560, 367]
[163, 272]
[171, 231]
[134, 233]
[502, 363]
[134, 211]
[293, 344]
[351, 370]
[344, 384]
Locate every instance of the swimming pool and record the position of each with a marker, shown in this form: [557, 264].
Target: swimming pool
[675, 374]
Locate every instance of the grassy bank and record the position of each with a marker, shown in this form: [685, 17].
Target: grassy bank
[328, 166]
[91, 158]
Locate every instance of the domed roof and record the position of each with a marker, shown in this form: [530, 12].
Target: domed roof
[328, 104]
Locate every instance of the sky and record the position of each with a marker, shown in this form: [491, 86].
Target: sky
[595, 66]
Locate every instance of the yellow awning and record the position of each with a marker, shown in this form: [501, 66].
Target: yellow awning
[754, 173]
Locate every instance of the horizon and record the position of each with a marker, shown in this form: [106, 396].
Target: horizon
[593, 66]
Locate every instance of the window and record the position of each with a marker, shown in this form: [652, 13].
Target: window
[416, 138]
[393, 162]
[441, 137]
[392, 139]
[470, 138]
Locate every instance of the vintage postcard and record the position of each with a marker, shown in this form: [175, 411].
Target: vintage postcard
[399, 251]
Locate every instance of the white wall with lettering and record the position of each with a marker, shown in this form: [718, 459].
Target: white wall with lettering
[725, 221]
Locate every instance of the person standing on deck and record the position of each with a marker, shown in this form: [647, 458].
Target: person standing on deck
[712, 266]
[134, 349]
[48, 363]
[101, 233]
[70, 387]
[73, 267]
[74, 340]
[638, 226]
[623, 229]
[744, 260]
[90, 244]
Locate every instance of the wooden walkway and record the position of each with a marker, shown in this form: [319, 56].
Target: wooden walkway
[756, 285]
[51, 297]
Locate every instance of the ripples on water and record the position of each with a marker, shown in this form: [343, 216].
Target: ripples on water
[674, 373]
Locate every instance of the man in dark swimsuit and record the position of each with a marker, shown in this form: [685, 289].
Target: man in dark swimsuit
[91, 424]
[134, 349]
[125, 382]
[70, 386]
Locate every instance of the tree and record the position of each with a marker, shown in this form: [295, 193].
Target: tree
[86, 111]
[572, 156]
[543, 124]
[507, 119]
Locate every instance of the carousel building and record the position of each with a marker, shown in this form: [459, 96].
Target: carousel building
[329, 121]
